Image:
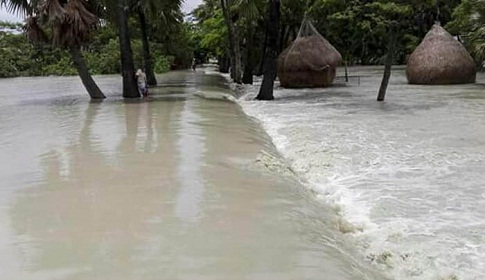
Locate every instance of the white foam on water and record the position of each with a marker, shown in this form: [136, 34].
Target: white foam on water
[406, 176]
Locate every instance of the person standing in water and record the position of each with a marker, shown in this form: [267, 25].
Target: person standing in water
[141, 79]
[194, 64]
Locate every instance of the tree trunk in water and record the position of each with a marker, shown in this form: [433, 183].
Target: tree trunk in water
[346, 68]
[249, 67]
[284, 31]
[223, 62]
[233, 42]
[263, 53]
[130, 88]
[232, 69]
[346, 72]
[147, 58]
[270, 65]
[81, 67]
[388, 67]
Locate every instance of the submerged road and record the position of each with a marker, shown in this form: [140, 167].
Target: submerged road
[173, 187]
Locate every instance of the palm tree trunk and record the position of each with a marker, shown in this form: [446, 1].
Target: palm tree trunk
[248, 68]
[151, 80]
[388, 67]
[284, 31]
[263, 53]
[249, 65]
[346, 65]
[233, 42]
[130, 89]
[223, 62]
[81, 67]
[270, 65]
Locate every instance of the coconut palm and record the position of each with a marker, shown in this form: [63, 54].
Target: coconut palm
[166, 12]
[251, 12]
[119, 11]
[270, 65]
[69, 25]
[130, 88]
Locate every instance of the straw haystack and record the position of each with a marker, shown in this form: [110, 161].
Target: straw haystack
[440, 59]
[310, 61]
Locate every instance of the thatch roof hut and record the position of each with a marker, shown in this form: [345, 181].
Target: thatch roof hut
[310, 61]
[440, 59]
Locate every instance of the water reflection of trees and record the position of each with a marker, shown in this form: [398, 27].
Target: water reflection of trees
[91, 212]
[114, 216]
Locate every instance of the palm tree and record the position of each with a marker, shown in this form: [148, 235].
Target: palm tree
[147, 58]
[70, 24]
[250, 11]
[130, 88]
[266, 90]
[167, 12]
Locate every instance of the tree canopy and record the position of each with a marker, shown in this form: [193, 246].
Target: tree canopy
[226, 29]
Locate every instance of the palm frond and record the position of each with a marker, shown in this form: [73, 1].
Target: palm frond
[34, 32]
[247, 8]
[52, 10]
[19, 7]
[77, 25]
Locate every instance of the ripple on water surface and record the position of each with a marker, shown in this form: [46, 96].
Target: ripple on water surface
[172, 185]
[406, 174]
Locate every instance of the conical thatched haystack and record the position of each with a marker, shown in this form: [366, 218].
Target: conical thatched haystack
[310, 61]
[440, 59]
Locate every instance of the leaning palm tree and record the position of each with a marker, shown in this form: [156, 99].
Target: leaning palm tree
[66, 24]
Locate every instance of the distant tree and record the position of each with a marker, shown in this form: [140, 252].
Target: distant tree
[210, 33]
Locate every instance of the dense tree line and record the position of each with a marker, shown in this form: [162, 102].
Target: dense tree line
[359, 29]
[366, 32]
[115, 36]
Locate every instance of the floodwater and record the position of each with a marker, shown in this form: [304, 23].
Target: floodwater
[406, 176]
[173, 187]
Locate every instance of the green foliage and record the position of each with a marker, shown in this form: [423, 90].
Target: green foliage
[162, 64]
[63, 67]
[359, 29]
[8, 55]
[180, 45]
[18, 57]
[469, 23]
[105, 60]
[213, 34]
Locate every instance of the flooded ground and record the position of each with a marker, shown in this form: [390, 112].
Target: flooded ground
[173, 187]
[406, 175]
